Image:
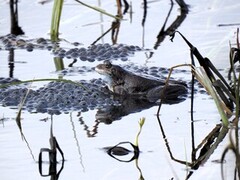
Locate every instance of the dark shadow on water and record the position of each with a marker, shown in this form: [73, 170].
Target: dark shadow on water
[115, 27]
[90, 132]
[116, 112]
[118, 150]
[111, 113]
[170, 29]
[15, 28]
[128, 106]
[174, 25]
[120, 154]
[11, 62]
[52, 155]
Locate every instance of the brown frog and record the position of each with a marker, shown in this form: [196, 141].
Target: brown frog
[123, 82]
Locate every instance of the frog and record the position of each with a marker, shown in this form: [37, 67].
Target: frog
[125, 83]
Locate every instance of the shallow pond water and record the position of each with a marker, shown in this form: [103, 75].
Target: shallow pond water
[81, 136]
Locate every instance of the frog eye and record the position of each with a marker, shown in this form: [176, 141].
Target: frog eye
[108, 64]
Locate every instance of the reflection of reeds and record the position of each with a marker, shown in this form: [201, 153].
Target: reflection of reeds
[99, 10]
[15, 28]
[226, 97]
[234, 147]
[56, 16]
[52, 155]
[234, 142]
[118, 150]
[57, 11]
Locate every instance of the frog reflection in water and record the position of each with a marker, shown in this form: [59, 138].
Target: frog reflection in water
[123, 82]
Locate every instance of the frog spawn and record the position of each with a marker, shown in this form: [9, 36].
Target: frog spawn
[57, 97]
[97, 52]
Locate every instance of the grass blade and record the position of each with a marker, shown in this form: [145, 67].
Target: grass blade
[99, 10]
[202, 77]
[56, 16]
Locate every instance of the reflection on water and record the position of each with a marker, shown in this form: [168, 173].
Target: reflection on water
[128, 106]
[15, 28]
[82, 134]
[174, 25]
[52, 155]
[205, 148]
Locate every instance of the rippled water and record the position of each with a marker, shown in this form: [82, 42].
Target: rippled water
[80, 136]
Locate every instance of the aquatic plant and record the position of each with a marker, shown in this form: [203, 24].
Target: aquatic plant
[233, 144]
[119, 150]
[214, 83]
[226, 98]
[141, 123]
[202, 77]
[56, 16]
[18, 121]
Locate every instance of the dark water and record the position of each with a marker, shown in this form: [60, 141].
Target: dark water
[82, 137]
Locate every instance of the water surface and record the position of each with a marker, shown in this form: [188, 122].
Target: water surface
[81, 137]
